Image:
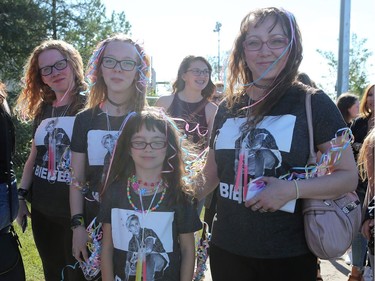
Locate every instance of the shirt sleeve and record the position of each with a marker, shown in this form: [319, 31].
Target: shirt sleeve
[187, 218]
[79, 137]
[327, 119]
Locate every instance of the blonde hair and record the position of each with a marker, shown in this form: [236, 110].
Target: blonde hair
[366, 155]
[364, 109]
[98, 88]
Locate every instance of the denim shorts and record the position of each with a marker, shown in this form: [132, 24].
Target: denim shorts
[4, 204]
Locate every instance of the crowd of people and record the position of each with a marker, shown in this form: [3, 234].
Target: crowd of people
[116, 187]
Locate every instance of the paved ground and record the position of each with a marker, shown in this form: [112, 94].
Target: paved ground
[332, 270]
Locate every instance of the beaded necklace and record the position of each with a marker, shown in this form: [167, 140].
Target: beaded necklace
[132, 181]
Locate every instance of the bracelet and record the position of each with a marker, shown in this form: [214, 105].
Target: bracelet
[22, 193]
[297, 189]
[76, 221]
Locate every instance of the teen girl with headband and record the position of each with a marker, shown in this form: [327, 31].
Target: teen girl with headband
[118, 73]
[260, 130]
[147, 212]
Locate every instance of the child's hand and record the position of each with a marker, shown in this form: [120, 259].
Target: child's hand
[366, 228]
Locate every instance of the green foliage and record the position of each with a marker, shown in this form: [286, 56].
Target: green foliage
[22, 26]
[358, 59]
[30, 255]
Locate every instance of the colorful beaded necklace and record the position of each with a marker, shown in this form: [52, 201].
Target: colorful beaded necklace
[132, 181]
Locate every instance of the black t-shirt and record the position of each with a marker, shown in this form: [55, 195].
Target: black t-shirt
[160, 229]
[50, 191]
[277, 144]
[95, 135]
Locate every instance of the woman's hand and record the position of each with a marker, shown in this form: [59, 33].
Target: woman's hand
[366, 228]
[273, 196]
[79, 245]
[22, 211]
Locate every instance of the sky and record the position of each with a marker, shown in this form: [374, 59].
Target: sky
[173, 29]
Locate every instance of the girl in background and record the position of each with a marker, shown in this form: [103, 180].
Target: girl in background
[190, 101]
[348, 105]
[147, 213]
[360, 127]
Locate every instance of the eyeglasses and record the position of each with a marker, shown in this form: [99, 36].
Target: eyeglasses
[142, 144]
[59, 65]
[255, 44]
[198, 72]
[126, 65]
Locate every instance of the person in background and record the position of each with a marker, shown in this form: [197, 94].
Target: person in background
[348, 105]
[8, 183]
[360, 127]
[210, 200]
[53, 82]
[190, 101]
[366, 162]
[147, 212]
[260, 132]
[118, 72]
[305, 79]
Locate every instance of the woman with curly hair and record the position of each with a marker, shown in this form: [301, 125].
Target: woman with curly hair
[53, 82]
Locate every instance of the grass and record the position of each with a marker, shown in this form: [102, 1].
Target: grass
[30, 255]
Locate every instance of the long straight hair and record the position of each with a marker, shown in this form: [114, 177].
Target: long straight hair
[122, 166]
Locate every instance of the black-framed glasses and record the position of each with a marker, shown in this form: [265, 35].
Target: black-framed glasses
[198, 72]
[126, 65]
[255, 44]
[59, 65]
[154, 144]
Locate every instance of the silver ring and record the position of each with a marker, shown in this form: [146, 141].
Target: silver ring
[257, 207]
[263, 210]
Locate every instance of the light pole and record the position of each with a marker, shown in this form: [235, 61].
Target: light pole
[217, 29]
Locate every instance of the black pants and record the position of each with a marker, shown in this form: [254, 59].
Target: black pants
[53, 239]
[227, 266]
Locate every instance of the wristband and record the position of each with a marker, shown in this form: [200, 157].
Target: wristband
[22, 193]
[76, 221]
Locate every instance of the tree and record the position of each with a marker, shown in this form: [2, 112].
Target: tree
[358, 59]
[22, 26]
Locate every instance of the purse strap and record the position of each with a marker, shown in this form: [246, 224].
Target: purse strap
[312, 153]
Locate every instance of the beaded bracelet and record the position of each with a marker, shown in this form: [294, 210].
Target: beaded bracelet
[76, 221]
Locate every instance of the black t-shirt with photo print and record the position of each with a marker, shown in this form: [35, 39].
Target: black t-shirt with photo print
[277, 144]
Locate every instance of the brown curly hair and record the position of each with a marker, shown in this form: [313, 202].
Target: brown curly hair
[36, 93]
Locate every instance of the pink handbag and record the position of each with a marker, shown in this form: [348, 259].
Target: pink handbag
[330, 225]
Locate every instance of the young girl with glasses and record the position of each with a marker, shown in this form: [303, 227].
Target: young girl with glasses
[117, 73]
[51, 96]
[147, 212]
